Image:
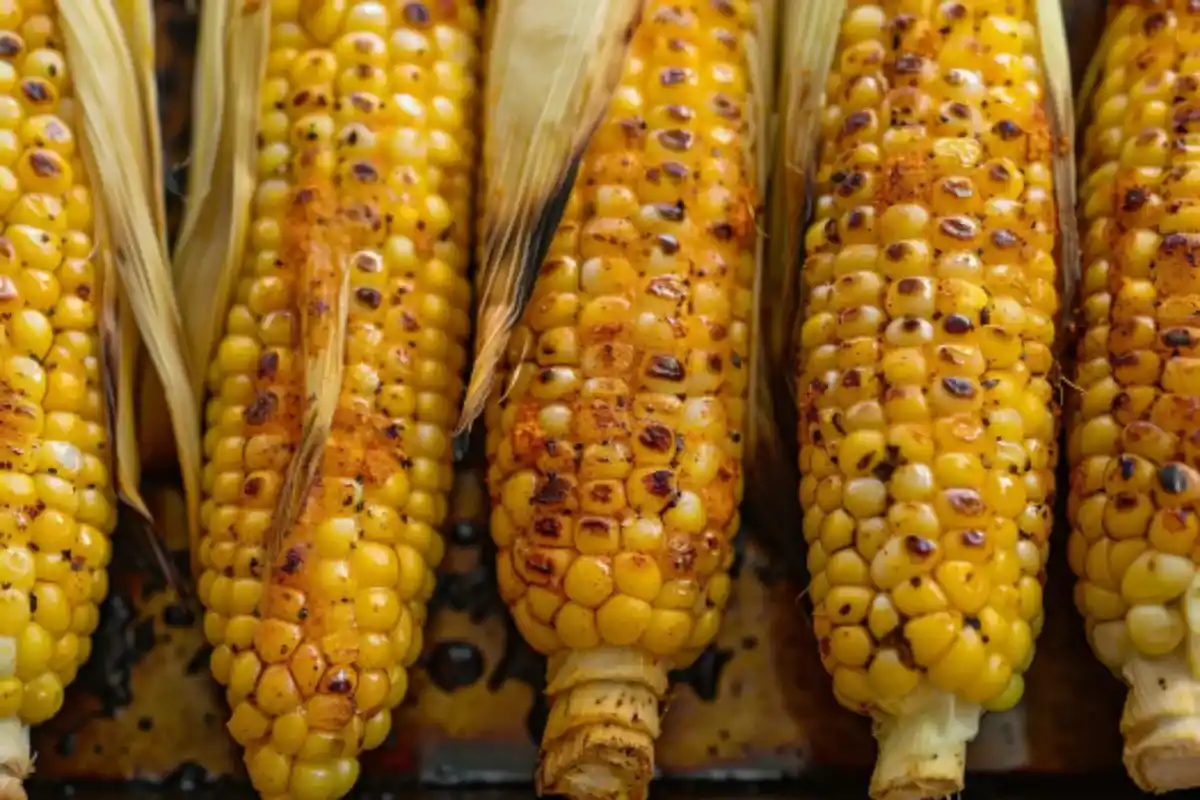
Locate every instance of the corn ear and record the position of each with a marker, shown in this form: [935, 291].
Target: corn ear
[928, 377]
[551, 69]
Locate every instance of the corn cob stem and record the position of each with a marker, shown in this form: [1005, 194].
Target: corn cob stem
[604, 719]
[1161, 723]
[923, 752]
[16, 758]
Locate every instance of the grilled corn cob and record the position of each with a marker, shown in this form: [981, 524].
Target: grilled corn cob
[615, 454]
[1133, 445]
[57, 505]
[928, 411]
[364, 175]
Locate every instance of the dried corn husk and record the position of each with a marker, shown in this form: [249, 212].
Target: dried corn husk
[115, 97]
[551, 70]
[1056, 60]
[231, 64]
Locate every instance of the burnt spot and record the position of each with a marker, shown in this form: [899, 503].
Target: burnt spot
[675, 140]
[958, 187]
[957, 228]
[1134, 199]
[551, 491]
[965, 501]
[909, 64]
[601, 492]
[292, 560]
[897, 251]
[670, 212]
[853, 182]
[919, 546]
[44, 165]
[961, 388]
[856, 219]
[909, 286]
[724, 8]
[1172, 479]
[668, 244]
[340, 683]
[547, 527]
[672, 76]
[999, 172]
[1004, 239]
[416, 14]
[973, 538]
[856, 122]
[1007, 130]
[725, 107]
[677, 171]
[721, 231]
[852, 379]
[957, 324]
[371, 298]
[680, 113]
[664, 367]
[959, 110]
[658, 483]
[261, 408]
[36, 91]
[10, 45]
[1127, 466]
[1177, 337]
[364, 172]
[1154, 23]
[656, 437]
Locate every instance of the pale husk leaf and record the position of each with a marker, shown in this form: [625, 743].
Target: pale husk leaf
[771, 499]
[550, 73]
[324, 310]
[1056, 61]
[222, 170]
[808, 42]
[115, 131]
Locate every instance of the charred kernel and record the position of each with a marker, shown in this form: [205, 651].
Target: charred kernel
[36, 90]
[856, 219]
[1004, 238]
[261, 408]
[1154, 23]
[416, 14]
[725, 107]
[1007, 130]
[856, 121]
[897, 251]
[1177, 337]
[369, 297]
[919, 546]
[671, 212]
[909, 64]
[960, 110]
[910, 286]
[44, 166]
[1135, 198]
[965, 501]
[957, 324]
[10, 45]
[721, 231]
[667, 368]
[551, 491]
[268, 364]
[958, 187]
[675, 170]
[675, 139]
[957, 228]
[999, 172]
[1127, 466]
[656, 437]
[658, 483]
[292, 561]
[973, 538]
[959, 387]
[668, 244]
[673, 75]
[1172, 479]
